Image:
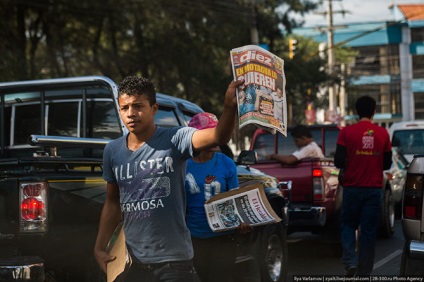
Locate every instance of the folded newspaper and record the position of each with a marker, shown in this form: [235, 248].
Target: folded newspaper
[249, 204]
[262, 98]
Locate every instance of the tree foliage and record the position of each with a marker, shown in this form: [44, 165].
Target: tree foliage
[182, 45]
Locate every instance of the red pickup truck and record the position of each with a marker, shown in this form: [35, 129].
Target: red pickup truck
[311, 185]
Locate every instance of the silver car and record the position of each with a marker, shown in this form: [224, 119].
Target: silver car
[412, 219]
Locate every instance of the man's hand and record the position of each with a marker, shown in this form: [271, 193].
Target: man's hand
[269, 157]
[244, 228]
[103, 258]
[230, 96]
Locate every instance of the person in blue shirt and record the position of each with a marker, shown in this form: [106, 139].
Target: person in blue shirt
[208, 174]
[248, 100]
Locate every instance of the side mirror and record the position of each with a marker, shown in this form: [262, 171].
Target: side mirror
[247, 157]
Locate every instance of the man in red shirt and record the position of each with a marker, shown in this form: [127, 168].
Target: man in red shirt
[363, 152]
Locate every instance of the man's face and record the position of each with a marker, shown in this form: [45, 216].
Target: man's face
[136, 112]
[241, 96]
[279, 93]
[300, 142]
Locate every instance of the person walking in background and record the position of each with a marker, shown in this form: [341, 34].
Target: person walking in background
[363, 152]
[208, 174]
[308, 148]
[145, 174]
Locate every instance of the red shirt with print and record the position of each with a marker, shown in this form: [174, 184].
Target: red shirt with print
[365, 144]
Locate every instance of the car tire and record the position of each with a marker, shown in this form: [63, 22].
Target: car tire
[330, 235]
[405, 260]
[410, 266]
[387, 222]
[89, 271]
[273, 252]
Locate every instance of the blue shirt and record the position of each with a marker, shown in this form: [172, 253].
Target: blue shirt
[204, 180]
[249, 102]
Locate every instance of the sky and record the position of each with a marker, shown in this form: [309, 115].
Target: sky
[358, 11]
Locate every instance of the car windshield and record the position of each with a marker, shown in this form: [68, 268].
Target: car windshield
[409, 141]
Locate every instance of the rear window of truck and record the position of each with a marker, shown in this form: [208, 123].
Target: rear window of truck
[264, 144]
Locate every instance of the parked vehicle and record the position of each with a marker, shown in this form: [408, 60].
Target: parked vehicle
[316, 196]
[263, 254]
[396, 177]
[408, 137]
[51, 189]
[412, 219]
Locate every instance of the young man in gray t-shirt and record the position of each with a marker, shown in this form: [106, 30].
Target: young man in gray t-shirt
[145, 172]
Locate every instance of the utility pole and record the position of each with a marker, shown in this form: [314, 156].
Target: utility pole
[342, 94]
[330, 50]
[254, 35]
[332, 97]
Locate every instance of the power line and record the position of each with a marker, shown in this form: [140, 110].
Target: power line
[341, 43]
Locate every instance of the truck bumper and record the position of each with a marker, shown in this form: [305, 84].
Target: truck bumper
[307, 216]
[22, 269]
[416, 250]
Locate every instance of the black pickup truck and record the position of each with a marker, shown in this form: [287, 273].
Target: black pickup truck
[51, 189]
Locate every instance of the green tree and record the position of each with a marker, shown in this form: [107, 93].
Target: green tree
[307, 76]
[183, 46]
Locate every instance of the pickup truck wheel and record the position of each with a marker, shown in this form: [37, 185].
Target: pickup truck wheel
[86, 273]
[387, 224]
[273, 254]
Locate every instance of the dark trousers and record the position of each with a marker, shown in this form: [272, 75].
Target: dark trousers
[361, 209]
[214, 258]
[175, 271]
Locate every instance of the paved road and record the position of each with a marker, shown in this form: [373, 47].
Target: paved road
[311, 255]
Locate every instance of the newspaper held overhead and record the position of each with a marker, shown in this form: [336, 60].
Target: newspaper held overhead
[262, 98]
[249, 204]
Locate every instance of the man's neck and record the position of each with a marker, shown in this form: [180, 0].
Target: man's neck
[204, 156]
[366, 119]
[135, 141]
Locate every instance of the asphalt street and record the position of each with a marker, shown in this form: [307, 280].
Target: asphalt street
[309, 254]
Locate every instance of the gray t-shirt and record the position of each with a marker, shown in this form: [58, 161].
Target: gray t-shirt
[152, 195]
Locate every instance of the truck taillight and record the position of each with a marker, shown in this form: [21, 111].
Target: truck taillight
[33, 205]
[32, 208]
[318, 184]
[317, 173]
[413, 197]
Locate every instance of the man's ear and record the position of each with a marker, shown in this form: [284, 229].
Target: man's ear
[155, 108]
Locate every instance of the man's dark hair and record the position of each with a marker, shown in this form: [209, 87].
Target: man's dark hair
[134, 85]
[365, 106]
[300, 131]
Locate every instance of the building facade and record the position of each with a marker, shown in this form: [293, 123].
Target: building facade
[389, 64]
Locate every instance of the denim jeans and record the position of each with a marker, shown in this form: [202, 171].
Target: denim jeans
[361, 209]
[214, 258]
[175, 271]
